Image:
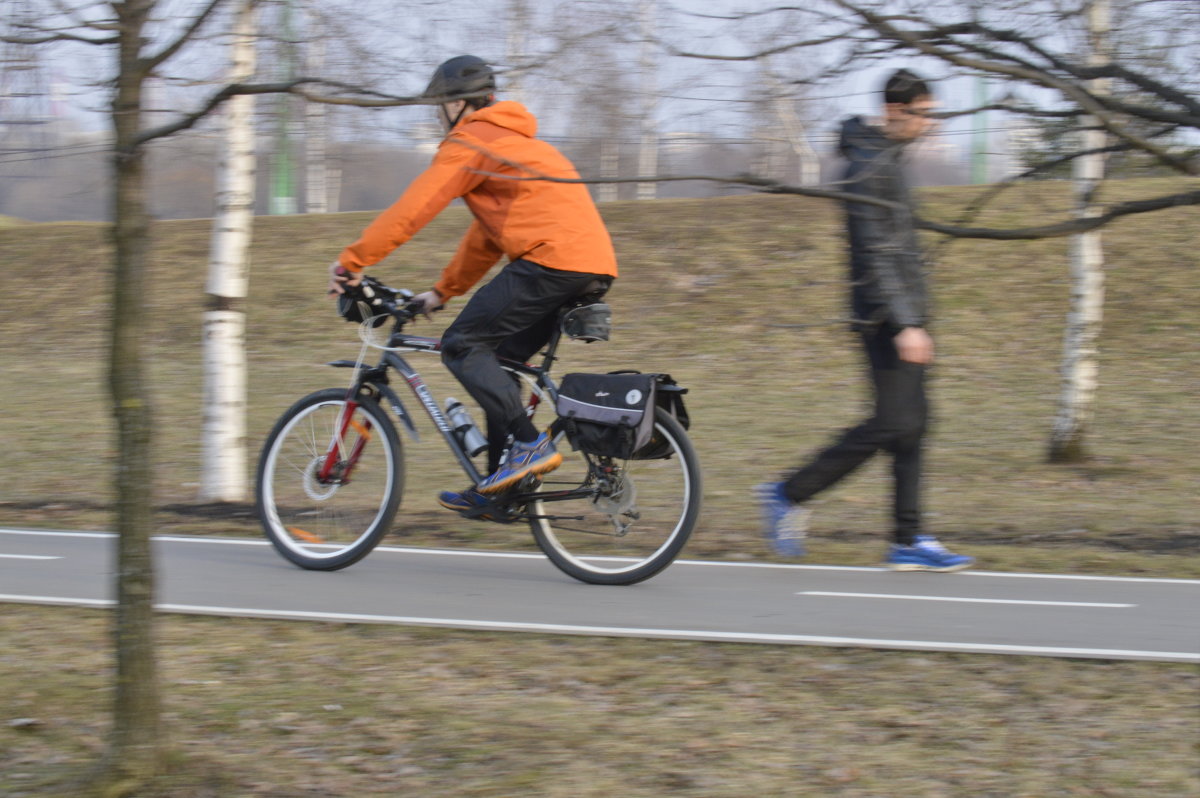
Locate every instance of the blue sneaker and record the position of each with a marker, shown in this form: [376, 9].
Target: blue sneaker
[785, 523]
[466, 501]
[524, 459]
[926, 554]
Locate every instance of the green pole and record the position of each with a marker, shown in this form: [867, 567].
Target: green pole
[283, 182]
[979, 166]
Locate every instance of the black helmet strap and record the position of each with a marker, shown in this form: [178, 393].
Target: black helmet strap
[452, 123]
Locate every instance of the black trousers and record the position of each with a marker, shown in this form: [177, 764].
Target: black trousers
[513, 316]
[897, 426]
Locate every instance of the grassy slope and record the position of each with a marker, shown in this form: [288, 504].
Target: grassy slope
[738, 298]
[733, 297]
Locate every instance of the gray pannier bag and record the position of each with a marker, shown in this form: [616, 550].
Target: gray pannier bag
[612, 414]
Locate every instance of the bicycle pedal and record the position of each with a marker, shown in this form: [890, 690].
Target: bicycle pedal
[527, 484]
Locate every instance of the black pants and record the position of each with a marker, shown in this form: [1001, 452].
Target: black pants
[513, 316]
[897, 426]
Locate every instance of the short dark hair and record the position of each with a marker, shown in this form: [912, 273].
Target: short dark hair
[904, 86]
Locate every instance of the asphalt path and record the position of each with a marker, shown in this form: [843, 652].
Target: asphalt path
[1129, 618]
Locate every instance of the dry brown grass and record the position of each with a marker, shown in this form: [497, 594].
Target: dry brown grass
[738, 298]
[263, 708]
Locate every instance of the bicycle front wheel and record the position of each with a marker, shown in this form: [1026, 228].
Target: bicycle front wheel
[617, 522]
[329, 483]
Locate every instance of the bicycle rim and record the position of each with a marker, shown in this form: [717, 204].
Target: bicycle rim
[315, 514]
[628, 529]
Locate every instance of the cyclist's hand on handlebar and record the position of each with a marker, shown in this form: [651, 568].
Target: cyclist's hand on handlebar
[341, 278]
[429, 302]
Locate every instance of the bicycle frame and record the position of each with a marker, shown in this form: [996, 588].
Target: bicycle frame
[377, 378]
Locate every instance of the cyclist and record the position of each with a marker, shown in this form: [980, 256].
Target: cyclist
[556, 243]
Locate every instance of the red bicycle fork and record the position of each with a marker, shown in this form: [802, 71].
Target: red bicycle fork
[336, 446]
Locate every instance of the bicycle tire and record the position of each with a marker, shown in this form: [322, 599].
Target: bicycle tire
[328, 525]
[582, 536]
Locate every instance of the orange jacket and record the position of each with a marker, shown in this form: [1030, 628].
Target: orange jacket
[555, 225]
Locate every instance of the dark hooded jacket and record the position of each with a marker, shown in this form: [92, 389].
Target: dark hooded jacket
[885, 257]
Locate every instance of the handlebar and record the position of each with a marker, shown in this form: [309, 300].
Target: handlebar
[395, 302]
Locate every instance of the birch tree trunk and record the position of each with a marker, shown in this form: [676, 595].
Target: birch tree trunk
[516, 49]
[135, 753]
[793, 129]
[1080, 351]
[223, 472]
[610, 166]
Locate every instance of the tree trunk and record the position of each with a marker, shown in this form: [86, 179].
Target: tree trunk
[648, 144]
[135, 752]
[223, 471]
[516, 48]
[610, 166]
[1080, 352]
[793, 130]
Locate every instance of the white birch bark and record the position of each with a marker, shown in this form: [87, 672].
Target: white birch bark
[794, 133]
[1080, 342]
[516, 50]
[610, 166]
[223, 470]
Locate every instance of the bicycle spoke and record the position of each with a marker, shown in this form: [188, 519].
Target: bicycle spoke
[623, 520]
[326, 499]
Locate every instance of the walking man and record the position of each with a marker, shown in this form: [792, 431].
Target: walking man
[890, 303]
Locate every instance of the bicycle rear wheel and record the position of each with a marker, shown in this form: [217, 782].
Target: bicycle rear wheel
[328, 487]
[617, 522]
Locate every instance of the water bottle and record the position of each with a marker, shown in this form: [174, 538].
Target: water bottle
[469, 436]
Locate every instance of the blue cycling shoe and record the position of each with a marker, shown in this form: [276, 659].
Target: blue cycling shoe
[524, 459]
[468, 502]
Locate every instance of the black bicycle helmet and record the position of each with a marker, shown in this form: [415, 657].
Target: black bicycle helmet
[463, 74]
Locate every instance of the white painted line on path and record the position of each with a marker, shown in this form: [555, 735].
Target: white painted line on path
[28, 557]
[82, 602]
[702, 563]
[961, 599]
[626, 631]
[55, 533]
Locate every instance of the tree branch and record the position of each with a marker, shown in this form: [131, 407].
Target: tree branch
[150, 62]
[297, 87]
[1066, 228]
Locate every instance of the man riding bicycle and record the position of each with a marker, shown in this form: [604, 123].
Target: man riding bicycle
[557, 245]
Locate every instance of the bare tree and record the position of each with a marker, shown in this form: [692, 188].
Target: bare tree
[1120, 96]
[223, 468]
[142, 39]
[1080, 363]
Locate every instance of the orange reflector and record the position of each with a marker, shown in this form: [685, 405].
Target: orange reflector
[362, 431]
[309, 536]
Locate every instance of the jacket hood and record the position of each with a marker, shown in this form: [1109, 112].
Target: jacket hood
[507, 114]
[859, 136]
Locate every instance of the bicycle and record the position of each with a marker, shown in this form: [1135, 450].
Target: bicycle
[331, 472]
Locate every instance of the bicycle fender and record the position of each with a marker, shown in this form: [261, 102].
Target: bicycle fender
[398, 407]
